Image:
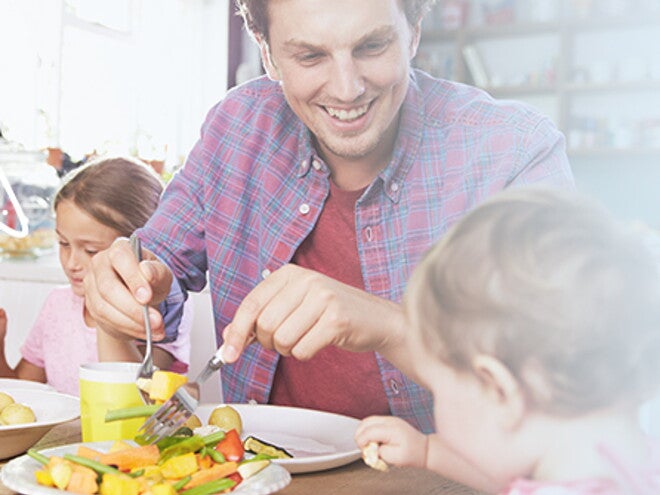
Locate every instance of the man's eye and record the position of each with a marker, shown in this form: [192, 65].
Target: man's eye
[91, 252]
[374, 47]
[307, 58]
[63, 244]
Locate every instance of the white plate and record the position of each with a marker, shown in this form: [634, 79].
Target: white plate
[50, 408]
[12, 383]
[318, 440]
[18, 474]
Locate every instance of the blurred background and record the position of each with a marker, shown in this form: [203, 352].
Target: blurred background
[138, 76]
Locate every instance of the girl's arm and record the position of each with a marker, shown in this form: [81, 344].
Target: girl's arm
[24, 370]
[110, 348]
[113, 349]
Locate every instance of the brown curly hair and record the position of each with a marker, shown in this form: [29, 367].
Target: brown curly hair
[255, 14]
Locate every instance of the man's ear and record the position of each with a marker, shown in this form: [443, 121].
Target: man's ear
[414, 40]
[267, 60]
[502, 389]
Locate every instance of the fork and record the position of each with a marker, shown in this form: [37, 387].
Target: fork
[178, 408]
[146, 371]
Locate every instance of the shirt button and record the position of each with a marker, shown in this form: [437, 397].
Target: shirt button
[265, 272]
[394, 186]
[394, 386]
[303, 165]
[369, 234]
[316, 164]
[304, 209]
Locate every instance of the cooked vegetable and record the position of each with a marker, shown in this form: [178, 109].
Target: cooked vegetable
[135, 457]
[231, 446]
[131, 412]
[226, 418]
[5, 400]
[186, 464]
[164, 384]
[179, 466]
[258, 446]
[215, 472]
[250, 468]
[16, 414]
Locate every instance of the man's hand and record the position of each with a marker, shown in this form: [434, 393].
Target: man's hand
[116, 287]
[297, 312]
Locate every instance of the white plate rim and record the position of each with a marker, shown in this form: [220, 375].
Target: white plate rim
[14, 383]
[14, 474]
[307, 464]
[73, 414]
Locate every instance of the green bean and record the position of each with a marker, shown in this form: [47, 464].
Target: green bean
[131, 412]
[99, 467]
[181, 483]
[38, 456]
[214, 486]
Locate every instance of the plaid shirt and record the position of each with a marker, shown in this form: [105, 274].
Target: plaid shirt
[253, 186]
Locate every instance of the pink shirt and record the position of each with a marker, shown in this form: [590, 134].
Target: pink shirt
[59, 342]
[629, 480]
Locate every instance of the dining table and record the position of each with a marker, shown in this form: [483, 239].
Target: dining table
[353, 478]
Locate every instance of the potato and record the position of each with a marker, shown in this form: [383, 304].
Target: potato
[193, 422]
[226, 418]
[15, 414]
[5, 400]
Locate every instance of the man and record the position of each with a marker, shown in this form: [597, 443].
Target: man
[328, 179]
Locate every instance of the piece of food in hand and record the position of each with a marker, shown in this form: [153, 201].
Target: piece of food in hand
[226, 418]
[258, 446]
[15, 414]
[5, 400]
[372, 459]
[164, 384]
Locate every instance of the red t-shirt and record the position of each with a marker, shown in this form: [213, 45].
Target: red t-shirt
[333, 380]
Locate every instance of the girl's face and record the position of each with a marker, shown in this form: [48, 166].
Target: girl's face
[80, 237]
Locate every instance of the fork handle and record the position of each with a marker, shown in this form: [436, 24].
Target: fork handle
[217, 360]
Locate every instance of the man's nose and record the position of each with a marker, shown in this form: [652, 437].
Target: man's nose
[346, 81]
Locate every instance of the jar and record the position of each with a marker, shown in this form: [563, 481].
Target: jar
[27, 187]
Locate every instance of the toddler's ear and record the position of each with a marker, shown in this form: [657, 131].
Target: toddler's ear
[502, 388]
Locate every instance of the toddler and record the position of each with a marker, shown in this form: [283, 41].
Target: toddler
[536, 325]
[98, 202]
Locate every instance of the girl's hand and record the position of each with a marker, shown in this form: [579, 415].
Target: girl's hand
[399, 443]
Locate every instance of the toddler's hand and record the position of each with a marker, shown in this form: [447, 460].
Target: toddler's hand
[399, 443]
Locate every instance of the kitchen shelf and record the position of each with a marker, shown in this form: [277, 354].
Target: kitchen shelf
[458, 43]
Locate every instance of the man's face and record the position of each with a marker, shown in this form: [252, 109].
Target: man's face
[343, 66]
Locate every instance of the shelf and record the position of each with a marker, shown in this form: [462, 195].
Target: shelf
[642, 152]
[544, 62]
[522, 90]
[650, 85]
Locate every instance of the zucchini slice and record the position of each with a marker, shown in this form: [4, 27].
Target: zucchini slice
[258, 446]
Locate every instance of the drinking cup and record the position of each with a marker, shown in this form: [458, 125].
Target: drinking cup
[104, 387]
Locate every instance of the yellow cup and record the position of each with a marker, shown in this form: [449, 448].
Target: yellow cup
[104, 387]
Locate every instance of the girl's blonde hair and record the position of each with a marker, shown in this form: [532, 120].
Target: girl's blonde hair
[551, 285]
[120, 192]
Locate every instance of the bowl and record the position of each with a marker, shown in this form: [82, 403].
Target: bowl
[12, 383]
[50, 408]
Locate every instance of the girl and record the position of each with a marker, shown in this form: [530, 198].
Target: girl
[97, 203]
[536, 325]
